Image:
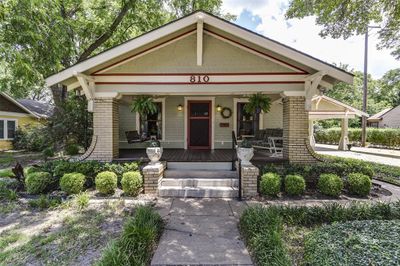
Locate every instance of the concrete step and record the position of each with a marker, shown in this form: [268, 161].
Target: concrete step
[200, 182]
[200, 174]
[214, 166]
[197, 192]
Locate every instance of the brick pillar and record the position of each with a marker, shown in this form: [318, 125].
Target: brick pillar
[296, 131]
[152, 175]
[106, 129]
[249, 176]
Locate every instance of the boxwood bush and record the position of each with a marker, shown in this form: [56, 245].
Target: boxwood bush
[131, 183]
[330, 185]
[37, 182]
[359, 184]
[270, 184]
[72, 183]
[295, 185]
[106, 182]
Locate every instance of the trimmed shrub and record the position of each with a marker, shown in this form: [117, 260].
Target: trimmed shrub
[359, 184]
[106, 182]
[119, 169]
[131, 183]
[72, 149]
[37, 182]
[48, 152]
[295, 185]
[72, 183]
[330, 184]
[270, 184]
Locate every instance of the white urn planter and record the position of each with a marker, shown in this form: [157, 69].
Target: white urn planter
[154, 154]
[245, 155]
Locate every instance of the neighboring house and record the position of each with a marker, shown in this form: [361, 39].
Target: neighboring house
[19, 113]
[195, 66]
[389, 117]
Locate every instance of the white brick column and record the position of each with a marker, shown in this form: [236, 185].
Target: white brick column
[105, 129]
[249, 177]
[152, 175]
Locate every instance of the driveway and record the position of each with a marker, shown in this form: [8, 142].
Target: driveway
[383, 156]
[201, 232]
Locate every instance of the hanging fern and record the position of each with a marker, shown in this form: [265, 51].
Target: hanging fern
[144, 105]
[258, 102]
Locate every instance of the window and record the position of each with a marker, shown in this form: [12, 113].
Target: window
[152, 123]
[7, 128]
[244, 121]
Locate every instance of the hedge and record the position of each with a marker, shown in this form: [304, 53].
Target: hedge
[389, 137]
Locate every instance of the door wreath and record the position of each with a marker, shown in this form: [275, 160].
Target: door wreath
[226, 112]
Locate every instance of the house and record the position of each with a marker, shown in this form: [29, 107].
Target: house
[324, 107]
[19, 113]
[200, 69]
[389, 117]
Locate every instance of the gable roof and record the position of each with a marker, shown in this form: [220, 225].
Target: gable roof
[32, 107]
[379, 115]
[340, 104]
[224, 26]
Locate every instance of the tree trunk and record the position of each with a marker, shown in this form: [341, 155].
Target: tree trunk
[256, 122]
[59, 93]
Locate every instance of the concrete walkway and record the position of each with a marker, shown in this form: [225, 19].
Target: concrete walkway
[201, 232]
[389, 157]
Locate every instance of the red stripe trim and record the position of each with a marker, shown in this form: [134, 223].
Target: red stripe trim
[208, 74]
[254, 50]
[155, 46]
[208, 83]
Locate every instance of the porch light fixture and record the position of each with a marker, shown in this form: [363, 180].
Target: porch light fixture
[219, 108]
[180, 108]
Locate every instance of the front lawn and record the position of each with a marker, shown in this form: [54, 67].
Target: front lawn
[358, 234]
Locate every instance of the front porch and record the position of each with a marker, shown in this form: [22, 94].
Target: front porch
[182, 155]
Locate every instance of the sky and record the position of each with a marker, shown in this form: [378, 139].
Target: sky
[267, 17]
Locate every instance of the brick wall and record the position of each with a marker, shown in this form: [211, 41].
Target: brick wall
[295, 130]
[249, 176]
[152, 175]
[106, 128]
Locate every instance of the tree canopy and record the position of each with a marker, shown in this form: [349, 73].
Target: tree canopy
[345, 18]
[41, 37]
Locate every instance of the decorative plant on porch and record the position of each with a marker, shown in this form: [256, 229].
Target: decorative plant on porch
[257, 102]
[144, 105]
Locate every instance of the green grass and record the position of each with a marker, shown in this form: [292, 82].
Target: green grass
[6, 173]
[136, 244]
[275, 235]
[355, 243]
[77, 234]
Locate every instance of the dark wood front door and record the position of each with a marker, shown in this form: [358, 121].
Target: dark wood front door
[199, 124]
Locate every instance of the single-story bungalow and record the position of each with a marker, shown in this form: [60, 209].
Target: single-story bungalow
[19, 113]
[387, 118]
[200, 70]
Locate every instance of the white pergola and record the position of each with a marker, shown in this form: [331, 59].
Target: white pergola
[324, 107]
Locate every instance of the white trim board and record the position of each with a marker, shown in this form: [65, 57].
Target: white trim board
[4, 113]
[185, 117]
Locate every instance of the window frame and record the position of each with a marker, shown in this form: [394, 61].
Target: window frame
[157, 100]
[5, 127]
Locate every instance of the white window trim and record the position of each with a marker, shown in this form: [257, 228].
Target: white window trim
[235, 114]
[157, 100]
[185, 114]
[6, 127]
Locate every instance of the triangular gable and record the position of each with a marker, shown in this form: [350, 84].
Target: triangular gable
[223, 27]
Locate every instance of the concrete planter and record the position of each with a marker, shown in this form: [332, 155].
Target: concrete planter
[245, 155]
[154, 154]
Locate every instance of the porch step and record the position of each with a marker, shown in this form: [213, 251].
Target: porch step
[215, 166]
[198, 192]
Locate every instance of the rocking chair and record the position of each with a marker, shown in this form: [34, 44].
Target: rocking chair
[134, 137]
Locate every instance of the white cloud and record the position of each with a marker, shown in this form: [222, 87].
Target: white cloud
[302, 34]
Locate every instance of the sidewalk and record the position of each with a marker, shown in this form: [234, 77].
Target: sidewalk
[201, 232]
[383, 156]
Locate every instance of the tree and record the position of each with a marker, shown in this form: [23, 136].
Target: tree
[41, 37]
[390, 84]
[345, 18]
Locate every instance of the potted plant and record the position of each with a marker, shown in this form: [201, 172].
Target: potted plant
[257, 102]
[154, 151]
[245, 152]
[144, 105]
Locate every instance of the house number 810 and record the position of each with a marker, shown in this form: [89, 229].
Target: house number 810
[199, 79]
